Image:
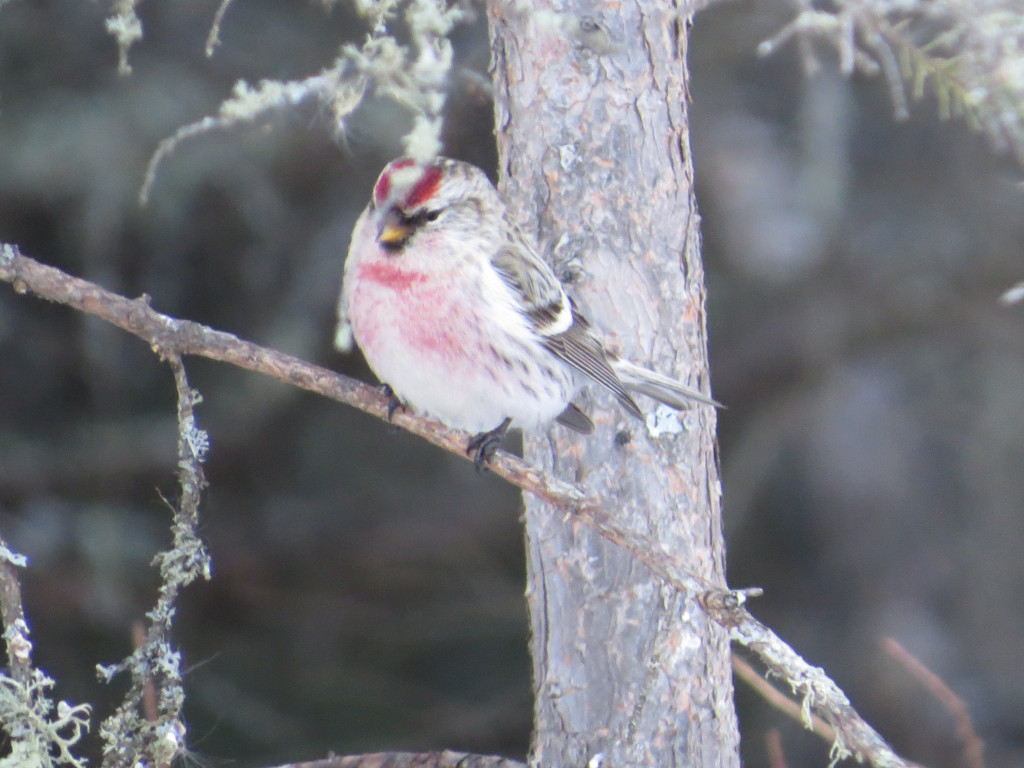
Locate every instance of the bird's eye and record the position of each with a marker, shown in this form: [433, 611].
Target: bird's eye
[420, 218]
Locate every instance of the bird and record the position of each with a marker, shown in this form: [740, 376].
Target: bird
[461, 319]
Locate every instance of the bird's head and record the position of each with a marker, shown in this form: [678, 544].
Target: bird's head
[412, 197]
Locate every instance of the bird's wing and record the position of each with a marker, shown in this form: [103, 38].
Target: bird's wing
[540, 296]
[580, 348]
[553, 316]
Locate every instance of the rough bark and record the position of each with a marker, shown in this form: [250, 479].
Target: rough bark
[594, 154]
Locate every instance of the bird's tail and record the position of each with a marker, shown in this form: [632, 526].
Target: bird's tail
[662, 388]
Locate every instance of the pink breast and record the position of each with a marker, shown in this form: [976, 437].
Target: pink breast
[398, 308]
[388, 275]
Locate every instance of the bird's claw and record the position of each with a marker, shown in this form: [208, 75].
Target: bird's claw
[484, 445]
[393, 402]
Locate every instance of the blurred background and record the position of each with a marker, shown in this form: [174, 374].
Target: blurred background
[367, 590]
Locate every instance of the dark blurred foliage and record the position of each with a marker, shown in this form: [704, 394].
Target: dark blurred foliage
[874, 437]
[367, 587]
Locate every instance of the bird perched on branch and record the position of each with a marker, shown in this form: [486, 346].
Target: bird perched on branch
[457, 313]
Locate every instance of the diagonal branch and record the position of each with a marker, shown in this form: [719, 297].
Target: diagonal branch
[854, 737]
[170, 337]
[778, 699]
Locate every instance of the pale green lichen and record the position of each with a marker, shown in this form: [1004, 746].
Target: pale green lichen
[130, 737]
[40, 733]
[969, 55]
[213, 37]
[811, 698]
[413, 75]
[126, 29]
[19, 647]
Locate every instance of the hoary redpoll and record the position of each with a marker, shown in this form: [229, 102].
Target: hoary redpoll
[460, 317]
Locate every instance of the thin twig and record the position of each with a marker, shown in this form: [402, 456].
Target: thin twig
[973, 745]
[170, 337]
[773, 742]
[147, 728]
[853, 736]
[213, 38]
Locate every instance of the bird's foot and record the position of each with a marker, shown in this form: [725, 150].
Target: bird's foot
[393, 402]
[484, 445]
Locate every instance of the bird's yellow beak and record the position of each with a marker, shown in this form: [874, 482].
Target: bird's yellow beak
[393, 231]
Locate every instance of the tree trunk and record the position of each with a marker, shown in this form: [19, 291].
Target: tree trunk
[594, 158]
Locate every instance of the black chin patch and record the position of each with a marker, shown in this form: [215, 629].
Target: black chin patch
[395, 247]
